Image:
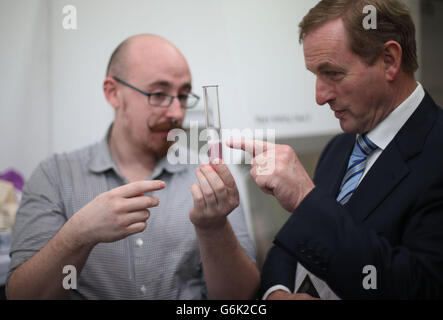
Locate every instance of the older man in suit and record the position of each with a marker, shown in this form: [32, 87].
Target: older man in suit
[375, 206]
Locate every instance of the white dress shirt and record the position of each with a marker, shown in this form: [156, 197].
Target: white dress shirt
[381, 135]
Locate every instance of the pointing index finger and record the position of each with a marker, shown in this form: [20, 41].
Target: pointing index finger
[139, 187]
[254, 147]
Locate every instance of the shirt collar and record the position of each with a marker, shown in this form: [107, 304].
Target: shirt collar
[101, 160]
[164, 165]
[386, 130]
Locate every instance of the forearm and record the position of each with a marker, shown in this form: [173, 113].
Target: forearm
[41, 277]
[229, 272]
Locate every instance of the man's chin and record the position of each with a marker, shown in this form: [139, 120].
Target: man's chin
[160, 150]
[348, 127]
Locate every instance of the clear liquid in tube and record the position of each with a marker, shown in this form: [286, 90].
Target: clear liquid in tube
[214, 144]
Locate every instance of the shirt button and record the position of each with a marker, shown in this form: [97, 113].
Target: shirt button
[139, 242]
[143, 289]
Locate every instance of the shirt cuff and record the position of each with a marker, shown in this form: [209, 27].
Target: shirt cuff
[275, 288]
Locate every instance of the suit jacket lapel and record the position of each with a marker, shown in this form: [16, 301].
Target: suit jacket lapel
[391, 167]
[388, 171]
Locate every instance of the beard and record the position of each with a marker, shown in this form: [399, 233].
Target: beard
[159, 150]
[159, 144]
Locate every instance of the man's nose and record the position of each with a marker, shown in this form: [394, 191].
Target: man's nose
[176, 110]
[323, 92]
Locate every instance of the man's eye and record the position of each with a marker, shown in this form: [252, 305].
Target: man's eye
[158, 94]
[183, 97]
[334, 75]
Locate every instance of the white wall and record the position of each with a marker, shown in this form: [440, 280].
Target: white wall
[25, 116]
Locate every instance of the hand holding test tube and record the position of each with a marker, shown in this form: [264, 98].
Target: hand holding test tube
[213, 126]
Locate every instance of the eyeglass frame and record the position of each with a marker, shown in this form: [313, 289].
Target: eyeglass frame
[171, 98]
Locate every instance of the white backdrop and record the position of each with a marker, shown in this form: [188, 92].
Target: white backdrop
[25, 119]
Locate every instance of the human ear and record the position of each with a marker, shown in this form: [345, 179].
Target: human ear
[111, 92]
[392, 57]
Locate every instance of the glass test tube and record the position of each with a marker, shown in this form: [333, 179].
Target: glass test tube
[213, 126]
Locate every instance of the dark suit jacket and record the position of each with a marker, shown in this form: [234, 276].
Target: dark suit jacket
[394, 220]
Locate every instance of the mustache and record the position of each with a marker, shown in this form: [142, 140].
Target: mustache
[165, 126]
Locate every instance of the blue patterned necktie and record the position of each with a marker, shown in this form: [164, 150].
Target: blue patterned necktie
[357, 163]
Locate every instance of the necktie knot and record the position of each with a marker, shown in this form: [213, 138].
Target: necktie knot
[357, 163]
[365, 145]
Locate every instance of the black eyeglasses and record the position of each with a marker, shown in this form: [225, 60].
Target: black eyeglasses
[159, 99]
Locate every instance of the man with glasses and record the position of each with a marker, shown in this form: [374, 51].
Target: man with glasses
[129, 224]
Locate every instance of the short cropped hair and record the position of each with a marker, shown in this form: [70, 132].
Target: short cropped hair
[394, 22]
[117, 63]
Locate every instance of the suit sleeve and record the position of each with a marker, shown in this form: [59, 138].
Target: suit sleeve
[279, 269]
[324, 237]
